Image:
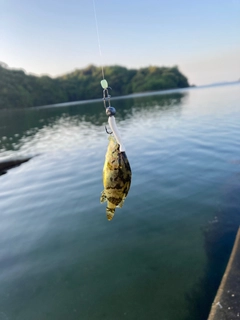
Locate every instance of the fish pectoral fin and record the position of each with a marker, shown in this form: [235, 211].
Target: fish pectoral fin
[103, 197]
[121, 203]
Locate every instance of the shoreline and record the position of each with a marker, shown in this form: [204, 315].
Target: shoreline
[135, 95]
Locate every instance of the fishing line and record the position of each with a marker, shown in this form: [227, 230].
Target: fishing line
[117, 173]
[98, 37]
[110, 111]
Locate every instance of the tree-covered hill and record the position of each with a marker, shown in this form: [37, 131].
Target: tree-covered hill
[18, 89]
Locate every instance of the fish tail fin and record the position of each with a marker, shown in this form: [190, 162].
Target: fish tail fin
[110, 213]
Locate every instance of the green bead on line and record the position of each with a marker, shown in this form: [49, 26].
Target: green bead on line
[104, 84]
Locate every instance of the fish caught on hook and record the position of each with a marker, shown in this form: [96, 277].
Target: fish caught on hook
[116, 178]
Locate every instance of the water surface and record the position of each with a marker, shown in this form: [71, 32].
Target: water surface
[163, 254]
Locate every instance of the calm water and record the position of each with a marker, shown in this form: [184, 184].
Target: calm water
[163, 254]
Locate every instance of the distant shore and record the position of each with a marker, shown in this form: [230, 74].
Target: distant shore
[138, 95]
[21, 90]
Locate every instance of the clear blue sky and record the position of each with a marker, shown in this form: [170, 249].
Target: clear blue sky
[55, 36]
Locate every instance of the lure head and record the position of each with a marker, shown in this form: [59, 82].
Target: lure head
[110, 111]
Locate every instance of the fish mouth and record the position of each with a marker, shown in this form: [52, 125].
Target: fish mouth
[110, 213]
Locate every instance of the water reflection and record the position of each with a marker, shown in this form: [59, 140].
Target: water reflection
[32, 131]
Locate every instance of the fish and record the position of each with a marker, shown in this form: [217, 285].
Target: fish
[117, 177]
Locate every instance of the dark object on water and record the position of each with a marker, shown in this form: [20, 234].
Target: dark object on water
[226, 302]
[6, 165]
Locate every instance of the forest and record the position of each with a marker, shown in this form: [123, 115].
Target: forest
[21, 90]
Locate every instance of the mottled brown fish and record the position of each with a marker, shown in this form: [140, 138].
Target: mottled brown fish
[116, 178]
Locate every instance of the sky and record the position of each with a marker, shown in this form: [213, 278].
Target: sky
[54, 37]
